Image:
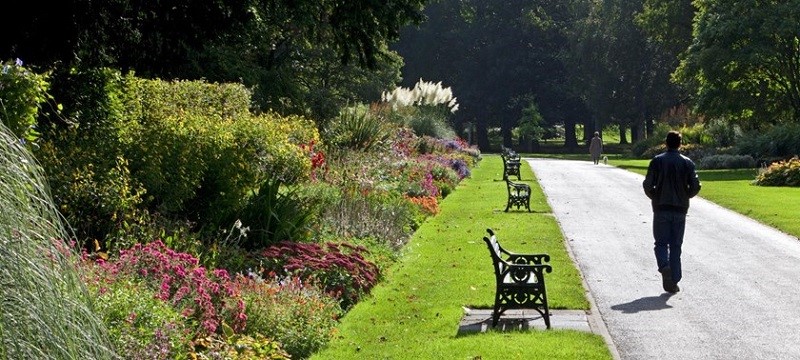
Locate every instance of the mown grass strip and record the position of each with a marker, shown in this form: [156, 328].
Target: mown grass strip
[414, 313]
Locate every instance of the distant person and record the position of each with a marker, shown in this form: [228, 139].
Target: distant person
[670, 182]
[596, 148]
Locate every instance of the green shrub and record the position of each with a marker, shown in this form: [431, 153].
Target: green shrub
[727, 161]
[722, 132]
[98, 197]
[186, 150]
[781, 173]
[232, 346]
[696, 135]
[298, 316]
[22, 94]
[693, 151]
[778, 142]
[430, 123]
[275, 213]
[357, 128]
[164, 99]
[141, 326]
[206, 167]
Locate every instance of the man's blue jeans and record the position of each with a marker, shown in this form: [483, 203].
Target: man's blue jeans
[668, 227]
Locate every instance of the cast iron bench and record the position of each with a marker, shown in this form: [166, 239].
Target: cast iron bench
[511, 163]
[519, 195]
[519, 279]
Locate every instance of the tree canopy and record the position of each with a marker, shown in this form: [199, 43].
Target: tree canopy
[578, 61]
[498, 56]
[294, 53]
[744, 62]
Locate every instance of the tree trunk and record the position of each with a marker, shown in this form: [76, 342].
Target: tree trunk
[505, 130]
[570, 140]
[482, 134]
[623, 138]
[588, 132]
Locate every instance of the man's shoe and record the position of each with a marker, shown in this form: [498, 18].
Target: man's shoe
[666, 280]
[674, 288]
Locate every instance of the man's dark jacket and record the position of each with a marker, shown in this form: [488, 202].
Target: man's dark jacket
[671, 181]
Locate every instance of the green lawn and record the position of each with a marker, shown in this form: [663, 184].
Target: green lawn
[415, 311]
[733, 189]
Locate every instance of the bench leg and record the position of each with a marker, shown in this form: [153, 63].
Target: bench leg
[496, 315]
[546, 316]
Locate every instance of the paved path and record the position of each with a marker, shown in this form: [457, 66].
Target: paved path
[740, 293]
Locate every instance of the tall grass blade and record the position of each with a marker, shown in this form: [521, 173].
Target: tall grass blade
[45, 310]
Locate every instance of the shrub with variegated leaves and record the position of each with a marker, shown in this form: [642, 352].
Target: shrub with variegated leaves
[781, 173]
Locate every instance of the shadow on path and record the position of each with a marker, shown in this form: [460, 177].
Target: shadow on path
[648, 303]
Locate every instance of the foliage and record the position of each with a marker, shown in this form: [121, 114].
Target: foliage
[696, 142]
[668, 23]
[781, 173]
[357, 128]
[100, 201]
[184, 151]
[292, 312]
[424, 108]
[530, 124]
[140, 324]
[722, 133]
[204, 298]
[22, 93]
[370, 214]
[726, 161]
[276, 213]
[46, 311]
[777, 142]
[310, 80]
[339, 269]
[160, 40]
[736, 64]
[460, 43]
[233, 346]
[428, 204]
[429, 122]
[202, 160]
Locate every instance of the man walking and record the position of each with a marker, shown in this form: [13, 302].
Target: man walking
[670, 182]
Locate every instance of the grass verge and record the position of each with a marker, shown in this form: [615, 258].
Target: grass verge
[415, 311]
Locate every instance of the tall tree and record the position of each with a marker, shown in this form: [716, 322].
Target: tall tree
[744, 61]
[157, 37]
[493, 54]
[626, 75]
[281, 48]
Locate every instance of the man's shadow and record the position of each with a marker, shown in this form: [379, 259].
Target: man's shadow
[648, 303]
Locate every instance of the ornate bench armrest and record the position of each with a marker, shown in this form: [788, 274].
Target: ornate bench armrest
[528, 258]
[523, 273]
